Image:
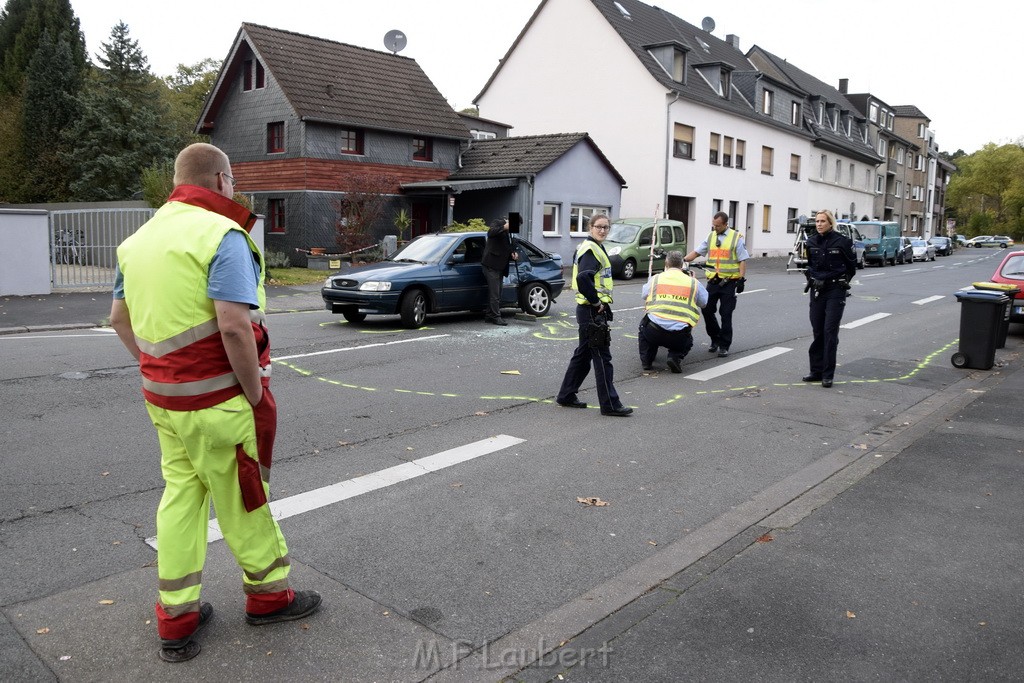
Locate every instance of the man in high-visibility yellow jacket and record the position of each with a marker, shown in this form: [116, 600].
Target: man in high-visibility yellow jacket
[189, 306]
[672, 302]
[727, 254]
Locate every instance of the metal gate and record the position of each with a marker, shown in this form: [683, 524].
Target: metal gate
[83, 244]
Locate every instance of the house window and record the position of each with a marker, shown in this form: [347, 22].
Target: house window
[766, 103]
[682, 143]
[483, 134]
[920, 130]
[253, 77]
[551, 219]
[713, 153]
[678, 65]
[899, 188]
[275, 216]
[852, 170]
[766, 218]
[867, 178]
[791, 220]
[351, 141]
[579, 217]
[275, 137]
[892, 120]
[727, 151]
[794, 116]
[873, 113]
[839, 170]
[879, 184]
[767, 156]
[422, 149]
[882, 146]
[794, 167]
[741, 150]
[824, 165]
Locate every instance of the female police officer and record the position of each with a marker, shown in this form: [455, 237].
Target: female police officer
[831, 264]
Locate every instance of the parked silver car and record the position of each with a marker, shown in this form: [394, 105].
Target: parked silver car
[923, 251]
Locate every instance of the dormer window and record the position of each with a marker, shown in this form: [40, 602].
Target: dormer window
[672, 58]
[766, 102]
[422, 149]
[794, 117]
[718, 76]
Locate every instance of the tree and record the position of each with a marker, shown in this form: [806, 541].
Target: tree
[987, 191]
[186, 92]
[367, 195]
[49, 107]
[22, 24]
[123, 124]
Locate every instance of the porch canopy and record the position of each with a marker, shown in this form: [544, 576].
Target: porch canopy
[433, 187]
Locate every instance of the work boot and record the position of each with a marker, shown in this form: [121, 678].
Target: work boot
[184, 649]
[304, 604]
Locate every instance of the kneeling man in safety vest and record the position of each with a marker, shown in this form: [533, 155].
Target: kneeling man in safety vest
[672, 300]
[189, 306]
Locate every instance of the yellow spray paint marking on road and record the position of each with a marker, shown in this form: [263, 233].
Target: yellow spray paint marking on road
[925, 362]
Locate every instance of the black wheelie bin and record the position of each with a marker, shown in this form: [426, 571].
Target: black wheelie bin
[981, 316]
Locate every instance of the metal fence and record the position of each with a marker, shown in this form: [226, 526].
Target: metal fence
[83, 244]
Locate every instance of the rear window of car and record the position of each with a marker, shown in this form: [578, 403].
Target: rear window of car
[1013, 268]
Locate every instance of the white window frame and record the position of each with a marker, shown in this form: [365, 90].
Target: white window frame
[578, 213]
[557, 216]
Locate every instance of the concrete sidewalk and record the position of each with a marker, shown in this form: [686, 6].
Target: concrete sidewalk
[905, 565]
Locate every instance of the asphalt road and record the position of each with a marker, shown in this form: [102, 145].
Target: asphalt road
[480, 537]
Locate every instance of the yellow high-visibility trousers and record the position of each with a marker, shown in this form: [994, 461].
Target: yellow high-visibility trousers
[207, 454]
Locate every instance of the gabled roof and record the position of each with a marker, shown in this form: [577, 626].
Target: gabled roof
[333, 82]
[910, 111]
[522, 156]
[817, 90]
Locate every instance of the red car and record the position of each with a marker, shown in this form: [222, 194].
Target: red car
[1011, 272]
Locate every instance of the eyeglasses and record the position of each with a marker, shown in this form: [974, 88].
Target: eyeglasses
[230, 178]
[600, 227]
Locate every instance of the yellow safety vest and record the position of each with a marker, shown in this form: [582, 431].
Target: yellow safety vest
[602, 278]
[724, 258]
[165, 266]
[672, 296]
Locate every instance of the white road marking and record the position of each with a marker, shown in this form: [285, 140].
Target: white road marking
[752, 291]
[922, 302]
[737, 364]
[335, 493]
[359, 348]
[872, 274]
[104, 332]
[865, 321]
[911, 270]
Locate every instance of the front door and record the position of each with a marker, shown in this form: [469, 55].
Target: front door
[420, 218]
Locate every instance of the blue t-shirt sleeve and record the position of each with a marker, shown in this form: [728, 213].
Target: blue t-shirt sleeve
[118, 282]
[234, 273]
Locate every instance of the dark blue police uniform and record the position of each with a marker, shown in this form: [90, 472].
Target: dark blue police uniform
[831, 265]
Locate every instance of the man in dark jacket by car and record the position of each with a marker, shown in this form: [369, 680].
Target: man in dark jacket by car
[497, 253]
[831, 265]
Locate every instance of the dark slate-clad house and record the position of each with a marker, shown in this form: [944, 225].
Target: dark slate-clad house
[309, 122]
[555, 183]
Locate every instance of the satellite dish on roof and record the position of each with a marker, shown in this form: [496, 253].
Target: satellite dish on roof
[708, 24]
[395, 41]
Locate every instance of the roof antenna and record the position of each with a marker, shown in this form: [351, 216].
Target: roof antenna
[395, 41]
[708, 24]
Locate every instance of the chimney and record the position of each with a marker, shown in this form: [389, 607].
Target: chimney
[733, 40]
[844, 85]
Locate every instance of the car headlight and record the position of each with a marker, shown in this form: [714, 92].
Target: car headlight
[375, 286]
[615, 251]
[328, 283]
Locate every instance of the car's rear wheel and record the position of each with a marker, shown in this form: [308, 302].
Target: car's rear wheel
[628, 269]
[535, 299]
[353, 315]
[413, 309]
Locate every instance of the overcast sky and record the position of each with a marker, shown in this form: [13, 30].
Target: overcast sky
[958, 62]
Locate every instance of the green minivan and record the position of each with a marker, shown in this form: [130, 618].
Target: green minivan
[881, 241]
[629, 244]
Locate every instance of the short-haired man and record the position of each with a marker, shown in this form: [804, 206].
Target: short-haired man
[189, 306]
[726, 252]
[672, 303]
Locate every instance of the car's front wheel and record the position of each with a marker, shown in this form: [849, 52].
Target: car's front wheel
[413, 309]
[628, 269]
[535, 299]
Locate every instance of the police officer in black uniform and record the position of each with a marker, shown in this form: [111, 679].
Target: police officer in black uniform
[831, 265]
